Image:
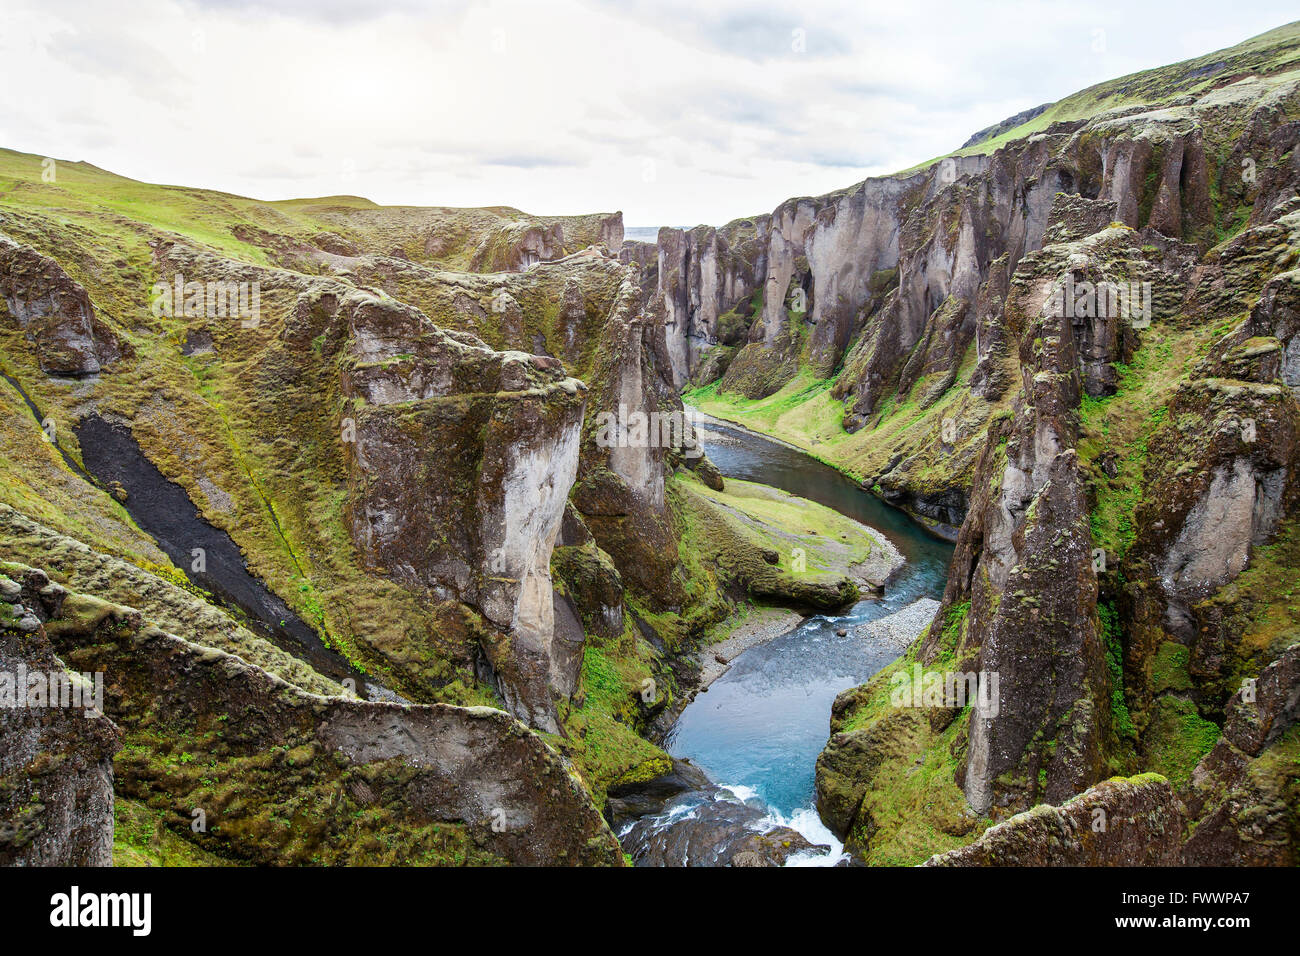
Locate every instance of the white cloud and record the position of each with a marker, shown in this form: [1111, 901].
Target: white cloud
[675, 111]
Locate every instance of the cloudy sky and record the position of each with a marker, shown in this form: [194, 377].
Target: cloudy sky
[675, 111]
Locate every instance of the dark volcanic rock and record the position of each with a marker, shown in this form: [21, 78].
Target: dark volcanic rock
[627, 802]
[56, 762]
[712, 827]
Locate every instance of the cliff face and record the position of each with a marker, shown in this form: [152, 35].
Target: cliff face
[56, 766]
[459, 467]
[701, 276]
[1077, 353]
[621, 492]
[1129, 390]
[54, 312]
[468, 784]
[400, 453]
[1024, 561]
[891, 291]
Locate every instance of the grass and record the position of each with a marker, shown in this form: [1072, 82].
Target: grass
[1270, 55]
[831, 542]
[913, 807]
[804, 413]
[1113, 638]
[1119, 427]
[1176, 740]
[103, 201]
[603, 739]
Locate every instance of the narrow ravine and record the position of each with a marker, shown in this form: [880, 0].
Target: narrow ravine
[758, 729]
[162, 509]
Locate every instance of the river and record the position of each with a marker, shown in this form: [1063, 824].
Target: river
[759, 728]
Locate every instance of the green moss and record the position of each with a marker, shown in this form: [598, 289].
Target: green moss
[603, 739]
[818, 552]
[1169, 668]
[950, 635]
[1177, 738]
[143, 836]
[1112, 635]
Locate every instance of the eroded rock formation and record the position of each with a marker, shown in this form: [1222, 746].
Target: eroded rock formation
[433, 783]
[461, 463]
[56, 758]
[54, 312]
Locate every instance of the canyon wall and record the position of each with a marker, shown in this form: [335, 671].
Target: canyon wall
[1134, 479]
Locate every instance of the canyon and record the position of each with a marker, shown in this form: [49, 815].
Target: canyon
[411, 603]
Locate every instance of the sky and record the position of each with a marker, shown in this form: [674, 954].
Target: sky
[676, 112]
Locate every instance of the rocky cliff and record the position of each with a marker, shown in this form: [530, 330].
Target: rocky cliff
[56, 769]
[450, 445]
[1131, 477]
[364, 451]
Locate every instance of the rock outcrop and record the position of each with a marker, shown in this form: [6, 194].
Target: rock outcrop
[1121, 499]
[711, 826]
[625, 460]
[435, 784]
[461, 465]
[1135, 822]
[55, 313]
[1024, 558]
[519, 245]
[1243, 794]
[56, 748]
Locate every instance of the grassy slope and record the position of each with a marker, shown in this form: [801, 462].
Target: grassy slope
[914, 808]
[1269, 54]
[204, 420]
[831, 543]
[146, 837]
[805, 414]
[114, 205]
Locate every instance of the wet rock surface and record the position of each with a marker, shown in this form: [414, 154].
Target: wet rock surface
[712, 827]
[164, 510]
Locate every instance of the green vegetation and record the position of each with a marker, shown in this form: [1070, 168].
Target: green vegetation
[831, 544]
[1115, 432]
[603, 740]
[1267, 55]
[911, 807]
[761, 542]
[1113, 637]
[1177, 739]
[144, 837]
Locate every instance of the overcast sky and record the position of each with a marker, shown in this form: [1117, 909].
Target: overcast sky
[675, 111]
